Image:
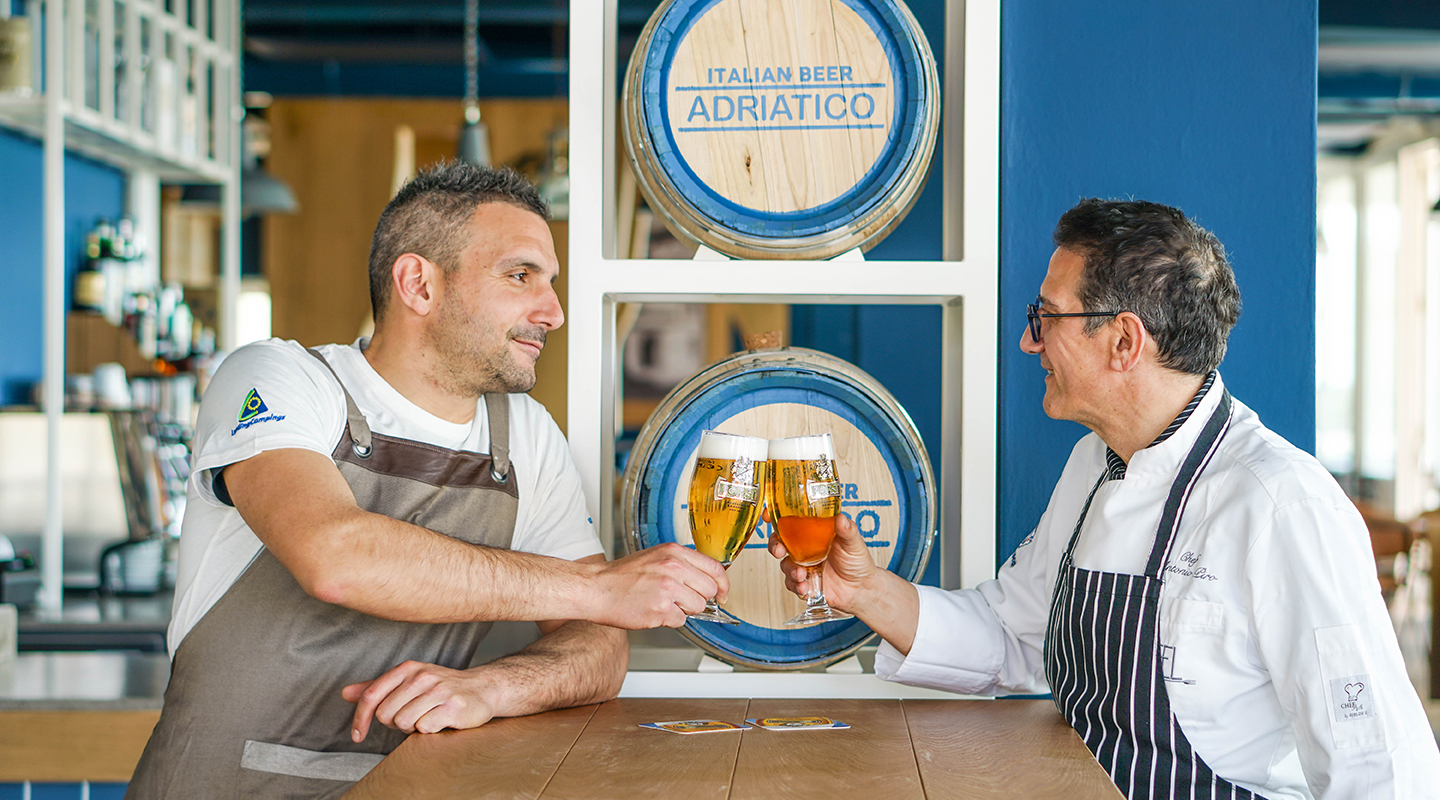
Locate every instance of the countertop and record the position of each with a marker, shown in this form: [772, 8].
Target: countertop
[662, 664]
[100, 681]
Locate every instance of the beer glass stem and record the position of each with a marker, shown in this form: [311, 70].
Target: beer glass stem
[816, 597]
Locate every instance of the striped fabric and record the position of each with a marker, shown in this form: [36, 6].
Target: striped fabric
[1115, 465]
[1102, 657]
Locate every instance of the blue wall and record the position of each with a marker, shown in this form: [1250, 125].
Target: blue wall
[1209, 107]
[92, 191]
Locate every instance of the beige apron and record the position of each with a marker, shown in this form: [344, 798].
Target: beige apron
[253, 708]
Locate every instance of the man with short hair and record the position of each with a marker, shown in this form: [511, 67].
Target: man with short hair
[359, 514]
[1199, 597]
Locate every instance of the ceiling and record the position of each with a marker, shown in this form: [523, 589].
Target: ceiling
[1376, 58]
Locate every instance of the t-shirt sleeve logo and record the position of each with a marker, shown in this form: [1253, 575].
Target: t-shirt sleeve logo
[252, 407]
[253, 412]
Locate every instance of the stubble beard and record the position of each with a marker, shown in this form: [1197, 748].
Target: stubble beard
[466, 368]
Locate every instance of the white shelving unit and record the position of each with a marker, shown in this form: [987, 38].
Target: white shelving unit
[965, 284]
[151, 87]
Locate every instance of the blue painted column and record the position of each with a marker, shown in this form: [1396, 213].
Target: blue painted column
[1209, 107]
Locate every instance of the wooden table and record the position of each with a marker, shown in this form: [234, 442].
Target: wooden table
[895, 750]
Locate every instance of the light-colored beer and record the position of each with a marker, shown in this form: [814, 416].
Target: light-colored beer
[804, 501]
[722, 513]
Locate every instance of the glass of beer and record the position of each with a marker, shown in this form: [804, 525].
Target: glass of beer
[804, 501]
[726, 493]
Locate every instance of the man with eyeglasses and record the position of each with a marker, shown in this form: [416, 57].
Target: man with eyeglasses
[1199, 597]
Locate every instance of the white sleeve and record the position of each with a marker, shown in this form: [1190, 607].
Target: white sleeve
[988, 640]
[1324, 635]
[554, 520]
[991, 639]
[265, 396]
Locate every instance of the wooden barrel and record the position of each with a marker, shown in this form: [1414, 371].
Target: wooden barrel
[795, 129]
[889, 489]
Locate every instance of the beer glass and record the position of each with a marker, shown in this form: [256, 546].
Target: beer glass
[726, 493]
[804, 501]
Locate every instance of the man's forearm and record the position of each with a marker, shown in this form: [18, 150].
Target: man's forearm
[395, 570]
[300, 507]
[576, 664]
[891, 607]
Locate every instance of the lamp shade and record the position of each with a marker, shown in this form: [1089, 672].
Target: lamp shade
[260, 193]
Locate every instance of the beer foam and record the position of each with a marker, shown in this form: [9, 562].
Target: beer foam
[714, 444]
[802, 448]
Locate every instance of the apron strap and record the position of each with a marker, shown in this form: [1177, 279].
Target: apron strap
[497, 413]
[1080, 523]
[1199, 456]
[359, 429]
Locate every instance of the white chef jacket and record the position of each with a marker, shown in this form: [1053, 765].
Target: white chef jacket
[1281, 664]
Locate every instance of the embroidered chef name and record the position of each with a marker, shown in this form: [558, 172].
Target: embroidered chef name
[1189, 567]
[1352, 698]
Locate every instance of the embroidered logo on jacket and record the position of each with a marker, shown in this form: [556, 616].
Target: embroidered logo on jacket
[251, 411]
[1351, 698]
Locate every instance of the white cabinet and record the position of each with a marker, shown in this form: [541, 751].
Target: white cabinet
[965, 284]
[151, 87]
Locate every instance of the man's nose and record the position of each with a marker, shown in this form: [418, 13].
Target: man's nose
[1028, 344]
[549, 313]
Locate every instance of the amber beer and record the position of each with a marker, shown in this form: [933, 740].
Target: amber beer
[804, 496]
[726, 493]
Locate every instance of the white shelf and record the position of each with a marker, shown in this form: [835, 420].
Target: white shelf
[92, 98]
[965, 285]
[111, 142]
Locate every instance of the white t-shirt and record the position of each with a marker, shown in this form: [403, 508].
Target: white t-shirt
[272, 394]
[1283, 669]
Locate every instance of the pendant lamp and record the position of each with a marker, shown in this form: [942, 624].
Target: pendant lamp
[474, 136]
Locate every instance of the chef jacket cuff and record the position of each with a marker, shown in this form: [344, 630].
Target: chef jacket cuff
[954, 650]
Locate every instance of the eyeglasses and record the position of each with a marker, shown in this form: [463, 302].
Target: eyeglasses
[1033, 315]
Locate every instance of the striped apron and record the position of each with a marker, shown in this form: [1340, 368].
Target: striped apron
[253, 707]
[1103, 657]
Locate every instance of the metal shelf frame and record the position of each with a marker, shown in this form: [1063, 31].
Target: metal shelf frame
[965, 283]
[195, 140]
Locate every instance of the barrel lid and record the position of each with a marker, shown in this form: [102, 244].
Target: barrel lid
[781, 128]
[773, 393]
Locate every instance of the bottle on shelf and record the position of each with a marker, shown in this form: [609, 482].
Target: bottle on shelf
[15, 54]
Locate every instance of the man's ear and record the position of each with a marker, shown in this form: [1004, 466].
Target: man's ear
[1129, 342]
[415, 283]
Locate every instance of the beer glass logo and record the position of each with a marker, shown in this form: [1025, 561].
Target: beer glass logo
[824, 486]
[742, 485]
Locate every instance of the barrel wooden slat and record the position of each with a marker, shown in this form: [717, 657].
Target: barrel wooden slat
[888, 489]
[781, 128]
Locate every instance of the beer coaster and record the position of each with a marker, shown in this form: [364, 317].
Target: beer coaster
[695, 726]
[797, 723]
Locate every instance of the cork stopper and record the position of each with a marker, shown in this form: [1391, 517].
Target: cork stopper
[762, 341]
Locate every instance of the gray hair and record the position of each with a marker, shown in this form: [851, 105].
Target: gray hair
[1149, 259]
[429, 214]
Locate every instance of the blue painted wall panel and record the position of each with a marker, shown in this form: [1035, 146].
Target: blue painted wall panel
[55, 791]
[1206, 106]
[92, 191]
